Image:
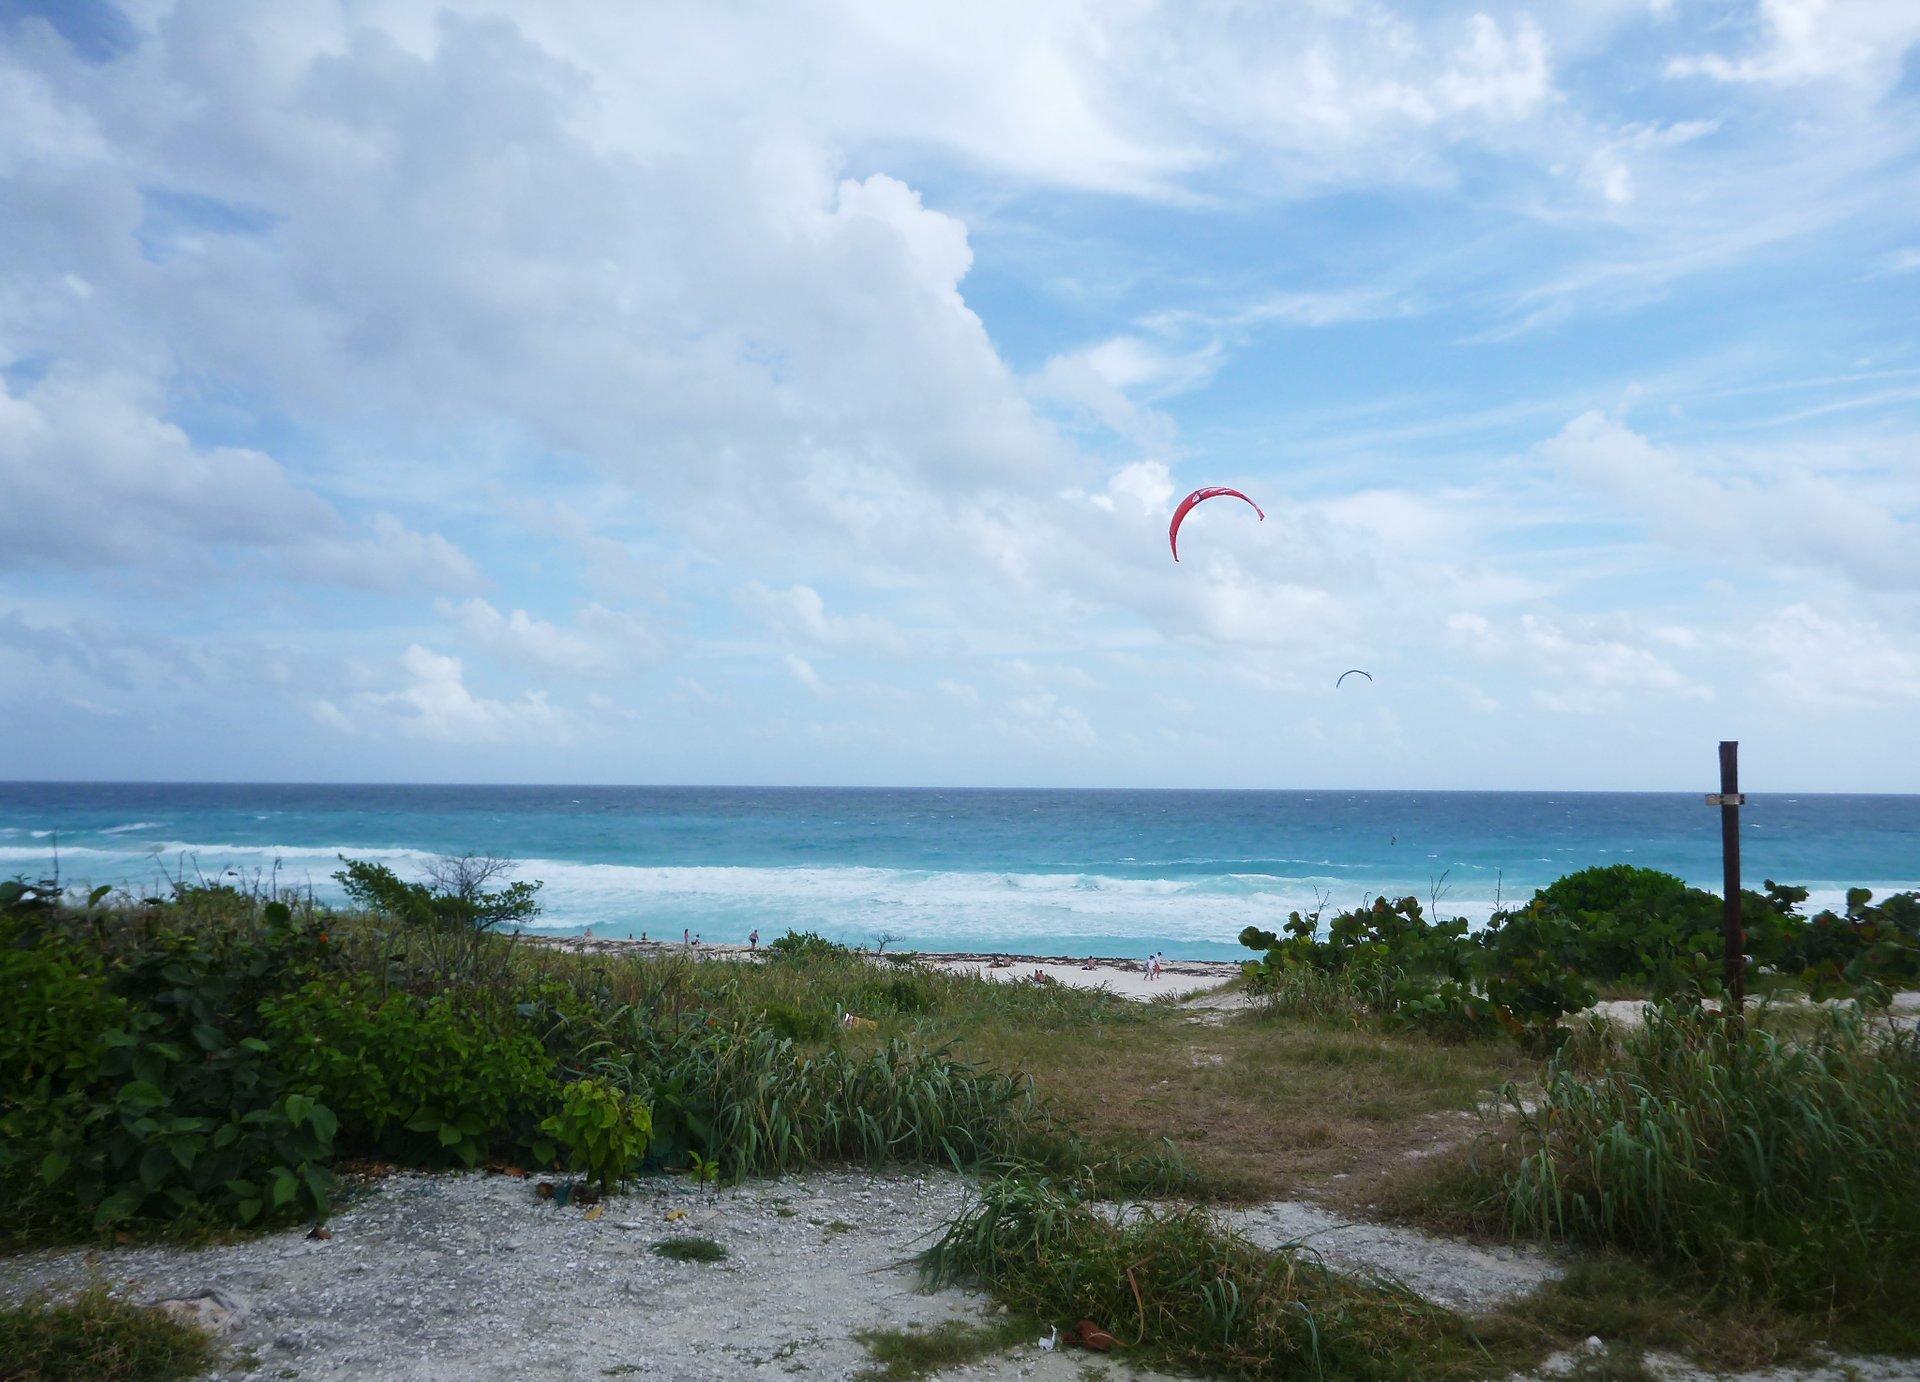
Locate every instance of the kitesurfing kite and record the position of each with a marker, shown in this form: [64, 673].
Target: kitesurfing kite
[1186, 506]
[1351, 671]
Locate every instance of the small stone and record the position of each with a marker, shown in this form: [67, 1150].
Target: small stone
[213, 1311]
[1594, 1344]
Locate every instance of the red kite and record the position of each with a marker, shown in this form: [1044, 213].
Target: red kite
[1186, 505]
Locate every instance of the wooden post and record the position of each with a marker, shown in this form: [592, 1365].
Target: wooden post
[1729, 800]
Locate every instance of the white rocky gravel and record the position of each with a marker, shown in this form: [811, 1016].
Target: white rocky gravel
[1459, 1276]
[473, 1278]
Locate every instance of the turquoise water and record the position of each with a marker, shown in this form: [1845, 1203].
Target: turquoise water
[1054, 872]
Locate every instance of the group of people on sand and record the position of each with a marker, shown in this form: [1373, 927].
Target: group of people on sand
[1156, 962]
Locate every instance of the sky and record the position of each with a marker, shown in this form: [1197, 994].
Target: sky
[465, 391]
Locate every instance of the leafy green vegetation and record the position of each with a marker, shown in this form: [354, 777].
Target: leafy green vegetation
[199, 1061]
[604, 1130]
[94, 1337]
[1633, 929]
[188, 1064]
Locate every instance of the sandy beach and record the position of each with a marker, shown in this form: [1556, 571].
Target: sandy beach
[1125, 977]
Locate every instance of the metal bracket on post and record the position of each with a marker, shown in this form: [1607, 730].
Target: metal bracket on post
[1730, 799]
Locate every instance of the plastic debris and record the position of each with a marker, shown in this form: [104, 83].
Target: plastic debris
[1053, 1337]
[1093, 1336]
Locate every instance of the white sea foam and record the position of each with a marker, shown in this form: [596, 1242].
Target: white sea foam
[929, 909]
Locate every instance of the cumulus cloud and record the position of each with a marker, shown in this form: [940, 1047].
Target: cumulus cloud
[1587, 665]
[1794, 506]
[90, 477]
[799, 613]
[435, 703]
[702, 316]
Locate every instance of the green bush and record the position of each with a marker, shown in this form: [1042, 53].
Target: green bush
[1868, 951]
[455, 897]
[139, 1091]
[604, 1131]
[421, 1080]
[801, 946]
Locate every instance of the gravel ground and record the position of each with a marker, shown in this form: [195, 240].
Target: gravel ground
[472, 1278]
[448, 1278]
[1457, 1275]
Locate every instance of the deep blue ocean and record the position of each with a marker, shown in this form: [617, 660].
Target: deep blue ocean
[1051, 872]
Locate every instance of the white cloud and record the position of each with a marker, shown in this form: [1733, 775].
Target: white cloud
[1043, 719]
[436, 704]
[90, 477]
[1797, 506]
[1859, 42]
[802, 672]
[799, 613]
[1576, 665]
[603, 642]
[1831, 659]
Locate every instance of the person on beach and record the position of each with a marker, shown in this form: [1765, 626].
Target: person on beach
[686, 935]
[753, 940]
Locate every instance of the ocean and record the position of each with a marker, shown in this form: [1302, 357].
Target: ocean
[1059, 872]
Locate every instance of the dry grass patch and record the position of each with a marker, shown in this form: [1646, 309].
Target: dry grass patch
[1260, 1108]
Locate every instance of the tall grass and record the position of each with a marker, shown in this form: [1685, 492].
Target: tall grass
[1353, 997]
[1773, 1170]
[747, 1064]
[1177, 1286]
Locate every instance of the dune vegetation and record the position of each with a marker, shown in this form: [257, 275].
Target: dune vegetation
[223, 1059]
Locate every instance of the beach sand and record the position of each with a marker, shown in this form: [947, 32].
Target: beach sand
[1124, 977]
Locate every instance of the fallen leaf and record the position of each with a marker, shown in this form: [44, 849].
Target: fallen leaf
[596, 1212]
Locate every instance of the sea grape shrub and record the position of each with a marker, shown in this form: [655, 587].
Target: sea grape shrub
[1869, 951]
[799, 947]
[1385, 933]
[422, 1080]
[1640, 926]
[1450, 1010]
[1534, 961]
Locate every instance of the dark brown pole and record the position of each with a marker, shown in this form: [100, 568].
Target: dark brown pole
[1736, 936]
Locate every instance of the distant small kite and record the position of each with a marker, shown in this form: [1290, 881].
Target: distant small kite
[1186, 506]
[1350, 672]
